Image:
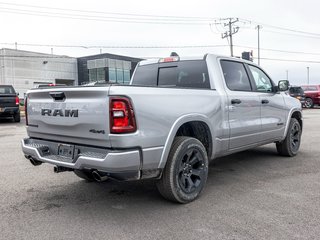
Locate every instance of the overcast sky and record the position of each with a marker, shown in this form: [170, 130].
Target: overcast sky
[290, 30]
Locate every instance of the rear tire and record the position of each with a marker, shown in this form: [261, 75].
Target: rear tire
[290, 145]
[186, 171]
[16, 117]
[84, 175]
[309, 103]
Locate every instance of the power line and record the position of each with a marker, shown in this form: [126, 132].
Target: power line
[105, 19]
[101, 46]
[292, 34]
[134, 18]
[97, 16]
[66, 57]
[278, 50]
[109, 13]
[103, 16]
[290, 60]
[288, 31]
[156, 47]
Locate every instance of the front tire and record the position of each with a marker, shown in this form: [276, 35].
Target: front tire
[290, 145]
[186, 171]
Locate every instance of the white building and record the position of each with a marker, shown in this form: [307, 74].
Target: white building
[25, 70]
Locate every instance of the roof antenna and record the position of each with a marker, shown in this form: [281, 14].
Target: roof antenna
[174, 54]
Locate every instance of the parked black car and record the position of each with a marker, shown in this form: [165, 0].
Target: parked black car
[9, 103]
[298, 93]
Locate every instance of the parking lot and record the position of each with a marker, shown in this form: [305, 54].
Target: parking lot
[255, 194]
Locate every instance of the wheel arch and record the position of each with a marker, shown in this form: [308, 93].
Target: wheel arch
[192, 125]
[297, 114]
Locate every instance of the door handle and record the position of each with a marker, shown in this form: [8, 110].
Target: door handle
[264, 101]
[235, 101]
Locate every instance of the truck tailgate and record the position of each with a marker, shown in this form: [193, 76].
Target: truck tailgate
[77, 115]
[8, 100]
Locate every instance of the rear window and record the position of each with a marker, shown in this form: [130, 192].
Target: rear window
[184, 74]
[146, 75]
[7, 90]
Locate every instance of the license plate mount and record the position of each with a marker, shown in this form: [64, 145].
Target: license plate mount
[66, 150]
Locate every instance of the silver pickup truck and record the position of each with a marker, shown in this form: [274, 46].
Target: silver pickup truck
[176, 115]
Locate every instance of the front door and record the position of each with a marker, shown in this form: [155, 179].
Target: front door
[273, 114]
[243, 106]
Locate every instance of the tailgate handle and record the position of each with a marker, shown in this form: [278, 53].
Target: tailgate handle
[58, 96]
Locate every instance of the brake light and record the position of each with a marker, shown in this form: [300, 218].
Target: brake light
[17, 101]
[169, 59]
[26, 109]
[122, 118]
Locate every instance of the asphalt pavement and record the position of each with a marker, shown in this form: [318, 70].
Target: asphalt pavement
[255, 194]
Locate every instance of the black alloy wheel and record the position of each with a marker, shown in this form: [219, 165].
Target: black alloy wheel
[291, 144]
[192, 170]
[186, 171]
[295, 135]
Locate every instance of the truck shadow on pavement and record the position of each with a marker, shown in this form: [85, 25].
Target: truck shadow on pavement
[248, 167]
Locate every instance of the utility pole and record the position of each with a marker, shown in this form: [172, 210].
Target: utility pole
[259, 27]
[230, 32]
[308, 75]
[287, 74]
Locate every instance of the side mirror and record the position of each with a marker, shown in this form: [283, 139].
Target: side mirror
[17, 94]
[283, 85]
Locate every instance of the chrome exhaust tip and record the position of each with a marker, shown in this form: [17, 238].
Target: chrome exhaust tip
[33, 161]
[99, 177]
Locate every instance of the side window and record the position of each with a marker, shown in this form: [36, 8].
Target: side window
[263, 82]
[235, 76]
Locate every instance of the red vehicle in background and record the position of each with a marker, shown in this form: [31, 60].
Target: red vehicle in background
[312, 93]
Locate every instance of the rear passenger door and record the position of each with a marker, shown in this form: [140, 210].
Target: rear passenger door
[243, 105]
[273, 114]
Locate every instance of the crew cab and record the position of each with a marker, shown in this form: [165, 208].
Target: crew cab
[9, 103]
[176, 116]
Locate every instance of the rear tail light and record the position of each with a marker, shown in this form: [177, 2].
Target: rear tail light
[122, 118]
[17, 101]
[26, 109]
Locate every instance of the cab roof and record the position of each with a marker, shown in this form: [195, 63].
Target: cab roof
[188, 58]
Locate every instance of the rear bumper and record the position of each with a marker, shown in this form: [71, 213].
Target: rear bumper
[8, 111]
[120, 164]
